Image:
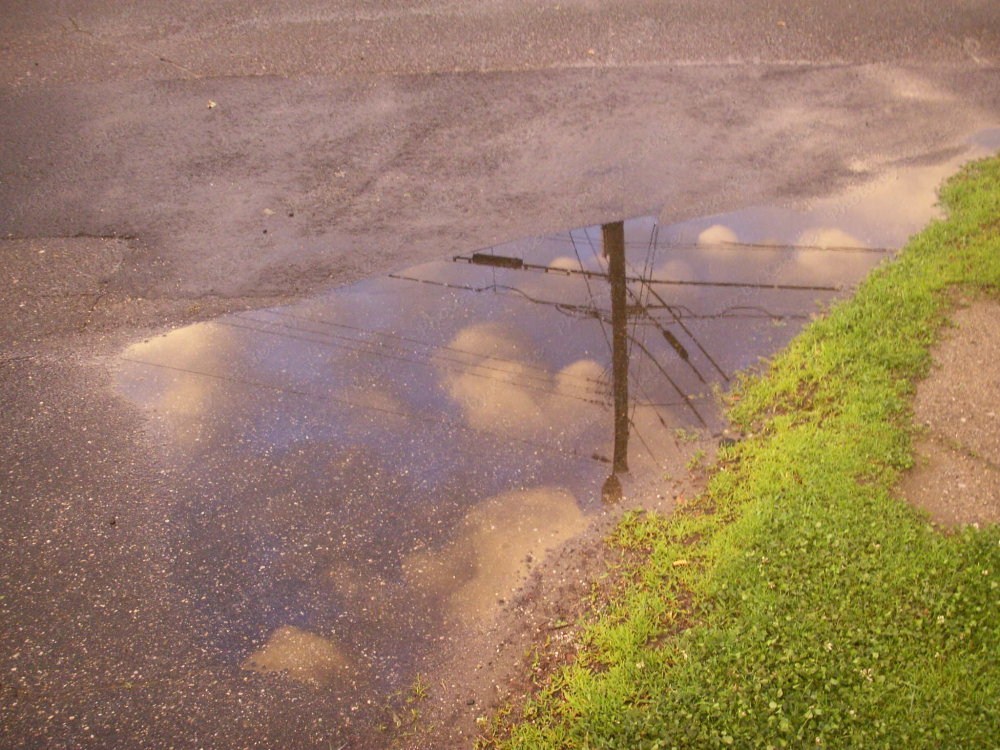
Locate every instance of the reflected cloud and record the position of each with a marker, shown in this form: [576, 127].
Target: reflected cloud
[506, 389]
[168, 389]
[487, 560]
[717, 234]
[827, 237]
[573, 375]
[565, 263]
[299, 654]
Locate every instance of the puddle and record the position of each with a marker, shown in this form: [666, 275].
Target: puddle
[376, 466]
[361, 474]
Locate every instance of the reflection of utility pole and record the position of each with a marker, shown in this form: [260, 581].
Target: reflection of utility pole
[614, 250]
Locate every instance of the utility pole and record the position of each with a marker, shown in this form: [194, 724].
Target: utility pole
[613, 236]
[614, 250]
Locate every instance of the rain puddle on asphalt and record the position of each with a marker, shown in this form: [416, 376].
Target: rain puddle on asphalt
[361, 474]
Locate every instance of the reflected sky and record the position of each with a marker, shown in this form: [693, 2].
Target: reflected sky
[364, 471]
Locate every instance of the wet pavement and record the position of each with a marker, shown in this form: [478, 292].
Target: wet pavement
[262, 545]
[357, 482]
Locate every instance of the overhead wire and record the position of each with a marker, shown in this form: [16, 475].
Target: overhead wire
[595, 398]
[327, 398]
[543, 374]
[590, 292]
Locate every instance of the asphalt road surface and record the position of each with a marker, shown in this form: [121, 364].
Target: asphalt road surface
[170, 162]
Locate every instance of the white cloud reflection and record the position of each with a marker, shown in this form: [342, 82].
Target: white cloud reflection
[487, 559]
[165, 374]
[506, 389]
[300, 655]
[717, 234]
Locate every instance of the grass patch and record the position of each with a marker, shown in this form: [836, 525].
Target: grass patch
[799, 603]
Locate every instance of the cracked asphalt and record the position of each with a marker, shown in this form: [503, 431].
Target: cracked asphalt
[168, 163]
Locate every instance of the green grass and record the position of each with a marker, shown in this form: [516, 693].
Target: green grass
[799, 602]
